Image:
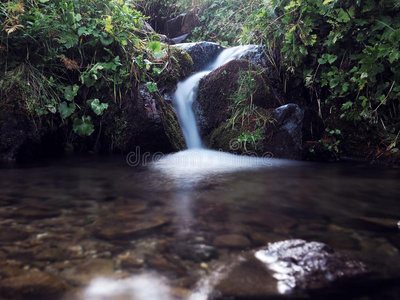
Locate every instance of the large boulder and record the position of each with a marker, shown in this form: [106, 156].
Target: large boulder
[148, 122]
[269, 60]
[291, 269]
[283, 138]
[182, 24]
[202, 53]
[214, 104]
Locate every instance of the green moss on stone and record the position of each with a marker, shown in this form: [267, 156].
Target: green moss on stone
[171, 125]
[180, 65]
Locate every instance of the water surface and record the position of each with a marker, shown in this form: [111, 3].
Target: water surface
[140, 224]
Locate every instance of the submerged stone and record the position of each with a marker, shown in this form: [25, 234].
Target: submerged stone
[194, 252]
[116, 228]
[33, 284]
[232, 241]
[12, 235]
[83, 273]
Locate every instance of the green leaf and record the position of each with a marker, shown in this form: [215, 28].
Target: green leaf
[96, 106]
[152, 87]
[347, 105]
[83, 126]
[82, 30]
[78, 17]
[71, 92]
[106, 39]
[155, 46]
[66, 110]
[332, 58]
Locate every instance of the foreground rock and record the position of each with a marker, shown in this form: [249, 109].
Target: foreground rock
[202, 53]
[293, 268]
[32, 285]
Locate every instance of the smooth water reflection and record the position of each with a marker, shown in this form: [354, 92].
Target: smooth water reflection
[139, 221]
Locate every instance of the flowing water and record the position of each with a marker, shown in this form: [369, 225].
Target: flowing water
[154, 231]
[185, 95]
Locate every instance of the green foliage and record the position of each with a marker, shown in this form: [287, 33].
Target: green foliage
[83, 126]
[346, 53]
[79, 57]
[250, 137]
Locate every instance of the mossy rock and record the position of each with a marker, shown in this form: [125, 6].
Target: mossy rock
[180, 65]
[225, 138]
[171, 124]
[214, 106]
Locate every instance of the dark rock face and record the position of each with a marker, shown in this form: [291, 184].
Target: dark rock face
[202, 53]
[182, 24]
[18, 136]
[213, 105]
[284, 137]
[269, 61]
[290, 268]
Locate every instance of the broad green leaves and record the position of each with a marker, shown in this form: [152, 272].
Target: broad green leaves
[66, 109]
[70, 92]
[97, 107]
[83, 126]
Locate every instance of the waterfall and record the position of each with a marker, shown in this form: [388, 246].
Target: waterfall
[186, 93]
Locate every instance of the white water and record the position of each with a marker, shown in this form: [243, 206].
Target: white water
[186, 92]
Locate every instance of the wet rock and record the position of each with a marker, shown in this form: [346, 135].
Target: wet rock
[181, 39]
[32, 285]
[12, 235]
[284, 136]
[167, 264]
[32, 212]
[290, 268]
[129, 260]
[83, 273]
[269, 61]
[182, 24]
[19, 138]
[10, 269]
[197, 252]
[143, 115]
[213, 105]
[202, 53]
[231, 241]
[114, 228]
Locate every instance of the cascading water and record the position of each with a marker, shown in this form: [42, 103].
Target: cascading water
[186, 92]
